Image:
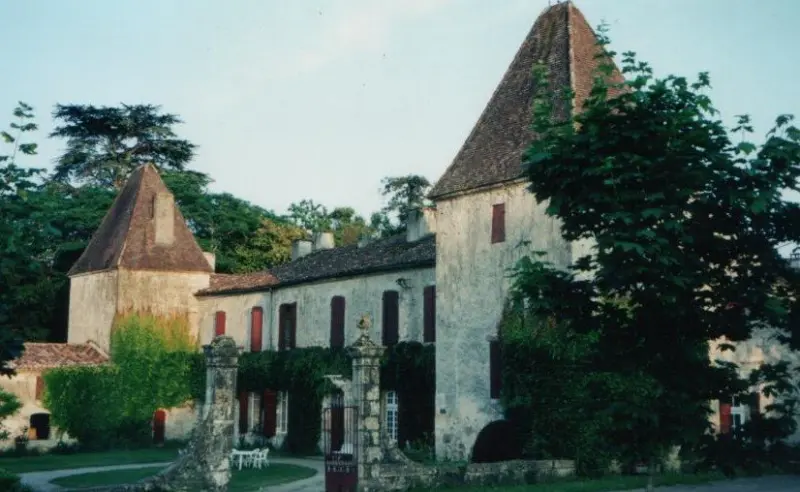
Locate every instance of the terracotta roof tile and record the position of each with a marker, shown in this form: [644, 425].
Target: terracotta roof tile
[394, 253]
[126, 236]
[48, 355]
[492, 153]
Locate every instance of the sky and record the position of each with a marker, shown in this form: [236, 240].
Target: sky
[289, 100]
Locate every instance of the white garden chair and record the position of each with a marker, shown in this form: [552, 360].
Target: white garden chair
[261, 458]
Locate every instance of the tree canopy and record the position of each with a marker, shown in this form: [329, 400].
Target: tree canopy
[685, 217]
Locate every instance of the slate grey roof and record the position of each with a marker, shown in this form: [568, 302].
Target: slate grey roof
[561, 39]
[390, 254]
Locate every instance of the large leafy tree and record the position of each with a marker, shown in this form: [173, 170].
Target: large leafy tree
[105, 144]
[403, 195]
[686, 223]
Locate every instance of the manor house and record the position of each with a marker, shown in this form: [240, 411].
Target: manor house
[443, 282]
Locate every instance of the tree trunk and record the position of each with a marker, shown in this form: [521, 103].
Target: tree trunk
[651, 468]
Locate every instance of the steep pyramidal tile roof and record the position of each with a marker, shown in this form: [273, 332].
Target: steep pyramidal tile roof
[46, 355]
[126, 236]
[560, 38]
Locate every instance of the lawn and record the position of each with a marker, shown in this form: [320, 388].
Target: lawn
[605, 484]
[247, 480]
[79, 460]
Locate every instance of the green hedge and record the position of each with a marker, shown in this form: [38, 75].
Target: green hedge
[154, 364]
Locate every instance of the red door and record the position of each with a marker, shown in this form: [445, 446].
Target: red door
[159, 426]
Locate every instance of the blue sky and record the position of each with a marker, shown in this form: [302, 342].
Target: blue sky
[321, 99]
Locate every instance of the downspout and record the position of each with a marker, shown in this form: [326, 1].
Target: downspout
[270, 304]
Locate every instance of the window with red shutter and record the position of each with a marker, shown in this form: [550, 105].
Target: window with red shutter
[391, 317]
[39, 387]
[243, 412]
[219, 323]
[725, 416]
[495, 370]
[337, 321]
[498, 223]
[429, 314]
[270, 404]
[287, 331]
[256, 328]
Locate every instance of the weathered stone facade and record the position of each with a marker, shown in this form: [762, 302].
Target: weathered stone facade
[470, 296]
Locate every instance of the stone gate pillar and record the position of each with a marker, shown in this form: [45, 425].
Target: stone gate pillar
[204, 464]
[367, 394]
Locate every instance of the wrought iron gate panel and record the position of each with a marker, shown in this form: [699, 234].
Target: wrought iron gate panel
[340, 445]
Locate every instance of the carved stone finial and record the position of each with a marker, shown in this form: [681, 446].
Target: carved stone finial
[365, 323]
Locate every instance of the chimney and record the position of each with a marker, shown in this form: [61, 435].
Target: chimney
[300, 248]
[421, 223]
[164, 218]
[211, 258]
[323, 240]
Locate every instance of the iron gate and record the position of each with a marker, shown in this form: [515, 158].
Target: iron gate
[340, 445]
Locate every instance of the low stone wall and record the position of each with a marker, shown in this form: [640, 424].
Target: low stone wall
[399, 473]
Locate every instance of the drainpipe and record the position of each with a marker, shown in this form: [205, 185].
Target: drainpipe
[271, 319]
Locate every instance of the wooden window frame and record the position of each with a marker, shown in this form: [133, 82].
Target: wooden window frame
[498, 223]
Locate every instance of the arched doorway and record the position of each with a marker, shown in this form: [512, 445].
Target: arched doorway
[40, 424]
[498, 441]
[159, 426]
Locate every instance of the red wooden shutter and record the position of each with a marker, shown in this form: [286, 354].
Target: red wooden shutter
[337, 321]
[39, 387]
[495, 370]
[293, 319]
[256, 327]
[391, 316]
[725, 417]
[219, 323]
[270, 403]
[498, 223]
[429, 314]
[243, 412]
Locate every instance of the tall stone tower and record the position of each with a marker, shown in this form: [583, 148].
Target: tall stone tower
[487, 220]
[142, 258]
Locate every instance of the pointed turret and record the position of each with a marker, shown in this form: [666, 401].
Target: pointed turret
[565, 43]
[143, 230]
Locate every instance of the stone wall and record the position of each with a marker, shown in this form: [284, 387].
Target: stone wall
[472, 286]
[362, 294]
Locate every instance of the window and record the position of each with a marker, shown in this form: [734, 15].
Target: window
[39, 429]
[287, 320]
[495, 370]
[735, 412]
[282, 414]
[256, 328]
[392, 414]
[498, 223]
[39, 387]
[269, 404]
[255, 423]
[243, 413]
[337, 321]
[391, 314]
[219, 323]
[429, 314]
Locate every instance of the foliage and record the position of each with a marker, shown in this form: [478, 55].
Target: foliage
[25, 247]
[672, 268]
[9, 405]
[10, 482]
[409, 368]
[404, 195]
[347, 226]
[154, 365]
[268, 246]
[105, 144]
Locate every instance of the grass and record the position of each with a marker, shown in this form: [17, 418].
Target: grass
[605, 484]
[247, 480]
[45, 462]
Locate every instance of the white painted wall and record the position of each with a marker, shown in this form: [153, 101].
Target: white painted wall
[471, 287]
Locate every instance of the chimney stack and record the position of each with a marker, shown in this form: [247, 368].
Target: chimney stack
[300, 248]
[421, 223]
[323, 240]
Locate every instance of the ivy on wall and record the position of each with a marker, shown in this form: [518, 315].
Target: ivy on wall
[155, 364]
[409, 368]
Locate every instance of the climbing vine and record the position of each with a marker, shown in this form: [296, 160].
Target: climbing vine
[154, 364]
